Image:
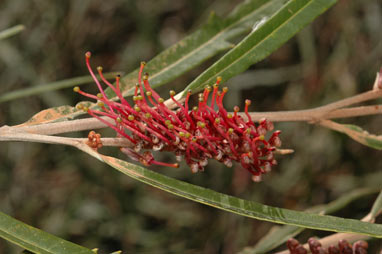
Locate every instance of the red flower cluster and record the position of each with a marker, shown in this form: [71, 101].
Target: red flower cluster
[197, 134]
[344, 247]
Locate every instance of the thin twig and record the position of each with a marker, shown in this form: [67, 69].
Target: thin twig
[308, 115]
[119, 142]
[366, 96]
[354, 111]
[313, 115]
[329, 111]
[60, 127]
[38, 138]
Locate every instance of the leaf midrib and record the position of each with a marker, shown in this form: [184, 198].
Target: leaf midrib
[313, 224]
[265, 38]
[12, 237]
[16, 240]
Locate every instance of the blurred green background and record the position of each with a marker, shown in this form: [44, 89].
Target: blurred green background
[69, 194]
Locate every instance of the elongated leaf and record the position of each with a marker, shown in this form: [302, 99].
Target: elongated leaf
[11, 31]
[356, 133]
[266, 38]
[280, 235]
[201, 45]
[35, 240]
[236, 205]
[50, 87]
[55, 114]
[377, 206]
[362, 136]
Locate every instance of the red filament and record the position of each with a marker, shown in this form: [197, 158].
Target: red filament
[207, 131]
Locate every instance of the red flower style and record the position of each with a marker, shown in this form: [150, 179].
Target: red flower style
[198, 134]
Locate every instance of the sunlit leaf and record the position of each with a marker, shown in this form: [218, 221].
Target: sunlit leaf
[203, 44]
[196, 48]
[11, 31]
[267, 36]
[377, 206]
[55, 114]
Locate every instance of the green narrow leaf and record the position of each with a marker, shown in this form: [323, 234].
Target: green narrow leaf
[280, 235]
[356, 133]
[268, 37]
[203, 44]
[77, 81]
[35, 240]
[377, 206]
[55, 114]
[362, 136]
[11, 31]
[236, 205]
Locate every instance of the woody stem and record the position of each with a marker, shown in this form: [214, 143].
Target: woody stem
[329, 111]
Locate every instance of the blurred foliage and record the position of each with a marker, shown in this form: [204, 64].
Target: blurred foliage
[71, 195]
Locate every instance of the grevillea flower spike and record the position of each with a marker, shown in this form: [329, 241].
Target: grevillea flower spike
[207, 131]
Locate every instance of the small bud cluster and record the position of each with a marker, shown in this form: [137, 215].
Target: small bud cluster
[196, 134]
[94, 140]
[343, 247]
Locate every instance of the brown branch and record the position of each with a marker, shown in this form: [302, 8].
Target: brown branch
[312, 115]
[354, 111]
[59, 127]
[283, 116]
[309, 115]
[119, 142]
[366, 96]
[81, 143]
[329, 111]
[22, 136]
